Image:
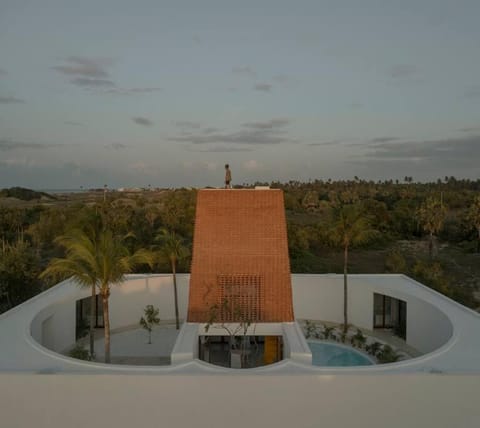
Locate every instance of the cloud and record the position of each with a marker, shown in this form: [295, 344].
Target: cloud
[255, 133]
[200, 165]
[187, 124]
[3, 72]
[132, 91]
[85, 67]
[443, 154]
[87, 82]
[326, 143]
[7, 145]
[240, 137]
[384, 139]
[144, 168]
[116, 146]
[92, 73]
[220, 149]
[142, 121]
[281, 78]
[402, 71]
[472, 92]
[11, 100]
[210, 130]
[33, 173]
[73, 123]
[245, 70]
[18, 162]
[470, 129]
[252, 165]
[269, 124]
[263, 87]
[356, 106]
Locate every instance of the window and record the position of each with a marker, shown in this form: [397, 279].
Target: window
[389, 312]
[83, 314]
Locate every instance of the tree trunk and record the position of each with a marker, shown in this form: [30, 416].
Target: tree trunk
[478, 242]
[345, 291]
[430, 246]
[174, 273]
[93, 310]
[106, 321]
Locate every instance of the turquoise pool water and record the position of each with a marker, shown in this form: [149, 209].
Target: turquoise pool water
[332, 355]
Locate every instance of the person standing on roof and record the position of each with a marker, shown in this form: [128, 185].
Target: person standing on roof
[228, 177]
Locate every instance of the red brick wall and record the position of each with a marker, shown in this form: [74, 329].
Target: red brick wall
[240, 232]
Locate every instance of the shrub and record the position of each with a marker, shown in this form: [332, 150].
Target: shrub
[80, 353]
[344, 333]
[328, 332]
[310, 329]
[395, 262]
[387, 355]
[373, 348]
[358, 339]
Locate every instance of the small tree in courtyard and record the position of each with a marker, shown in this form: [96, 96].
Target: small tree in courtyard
[238, 322]
[150, 320]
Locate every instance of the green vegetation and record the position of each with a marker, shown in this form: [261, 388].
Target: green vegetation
[97, 257]
[23, 194]
[30, 228]
[350, 226]
[150, 320]
[79, 352]
[173, 250]
[432, 215]
[387, 355]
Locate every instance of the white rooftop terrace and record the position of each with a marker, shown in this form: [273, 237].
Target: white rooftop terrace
[41, 388]
[34, 334]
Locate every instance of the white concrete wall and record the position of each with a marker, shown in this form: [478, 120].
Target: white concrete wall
[320, 297]
[237, 400]
[427, 327]
[128, 300]
[316, 297]
[54, 327]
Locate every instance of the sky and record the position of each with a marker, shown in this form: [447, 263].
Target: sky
[164, 93]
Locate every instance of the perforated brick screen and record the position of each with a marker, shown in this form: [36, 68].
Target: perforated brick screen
[240, 257]
[242, 297]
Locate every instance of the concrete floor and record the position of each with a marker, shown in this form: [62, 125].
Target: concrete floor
[130, 345]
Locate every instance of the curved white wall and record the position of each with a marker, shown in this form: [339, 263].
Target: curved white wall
[320, 297]
[316, 297]
[54, 326]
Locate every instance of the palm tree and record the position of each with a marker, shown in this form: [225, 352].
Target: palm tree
[173, 250]
[77, 245]
[432, 214]
[474, 218]
[350, 227]
[99, 256]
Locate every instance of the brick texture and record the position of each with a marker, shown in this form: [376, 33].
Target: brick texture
[240, 254]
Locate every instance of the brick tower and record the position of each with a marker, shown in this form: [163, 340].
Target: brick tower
[240, 255]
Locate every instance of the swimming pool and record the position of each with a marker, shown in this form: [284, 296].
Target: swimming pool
[335, 355]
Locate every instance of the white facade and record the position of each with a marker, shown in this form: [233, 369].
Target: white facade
[446, 332]
[41, 388]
